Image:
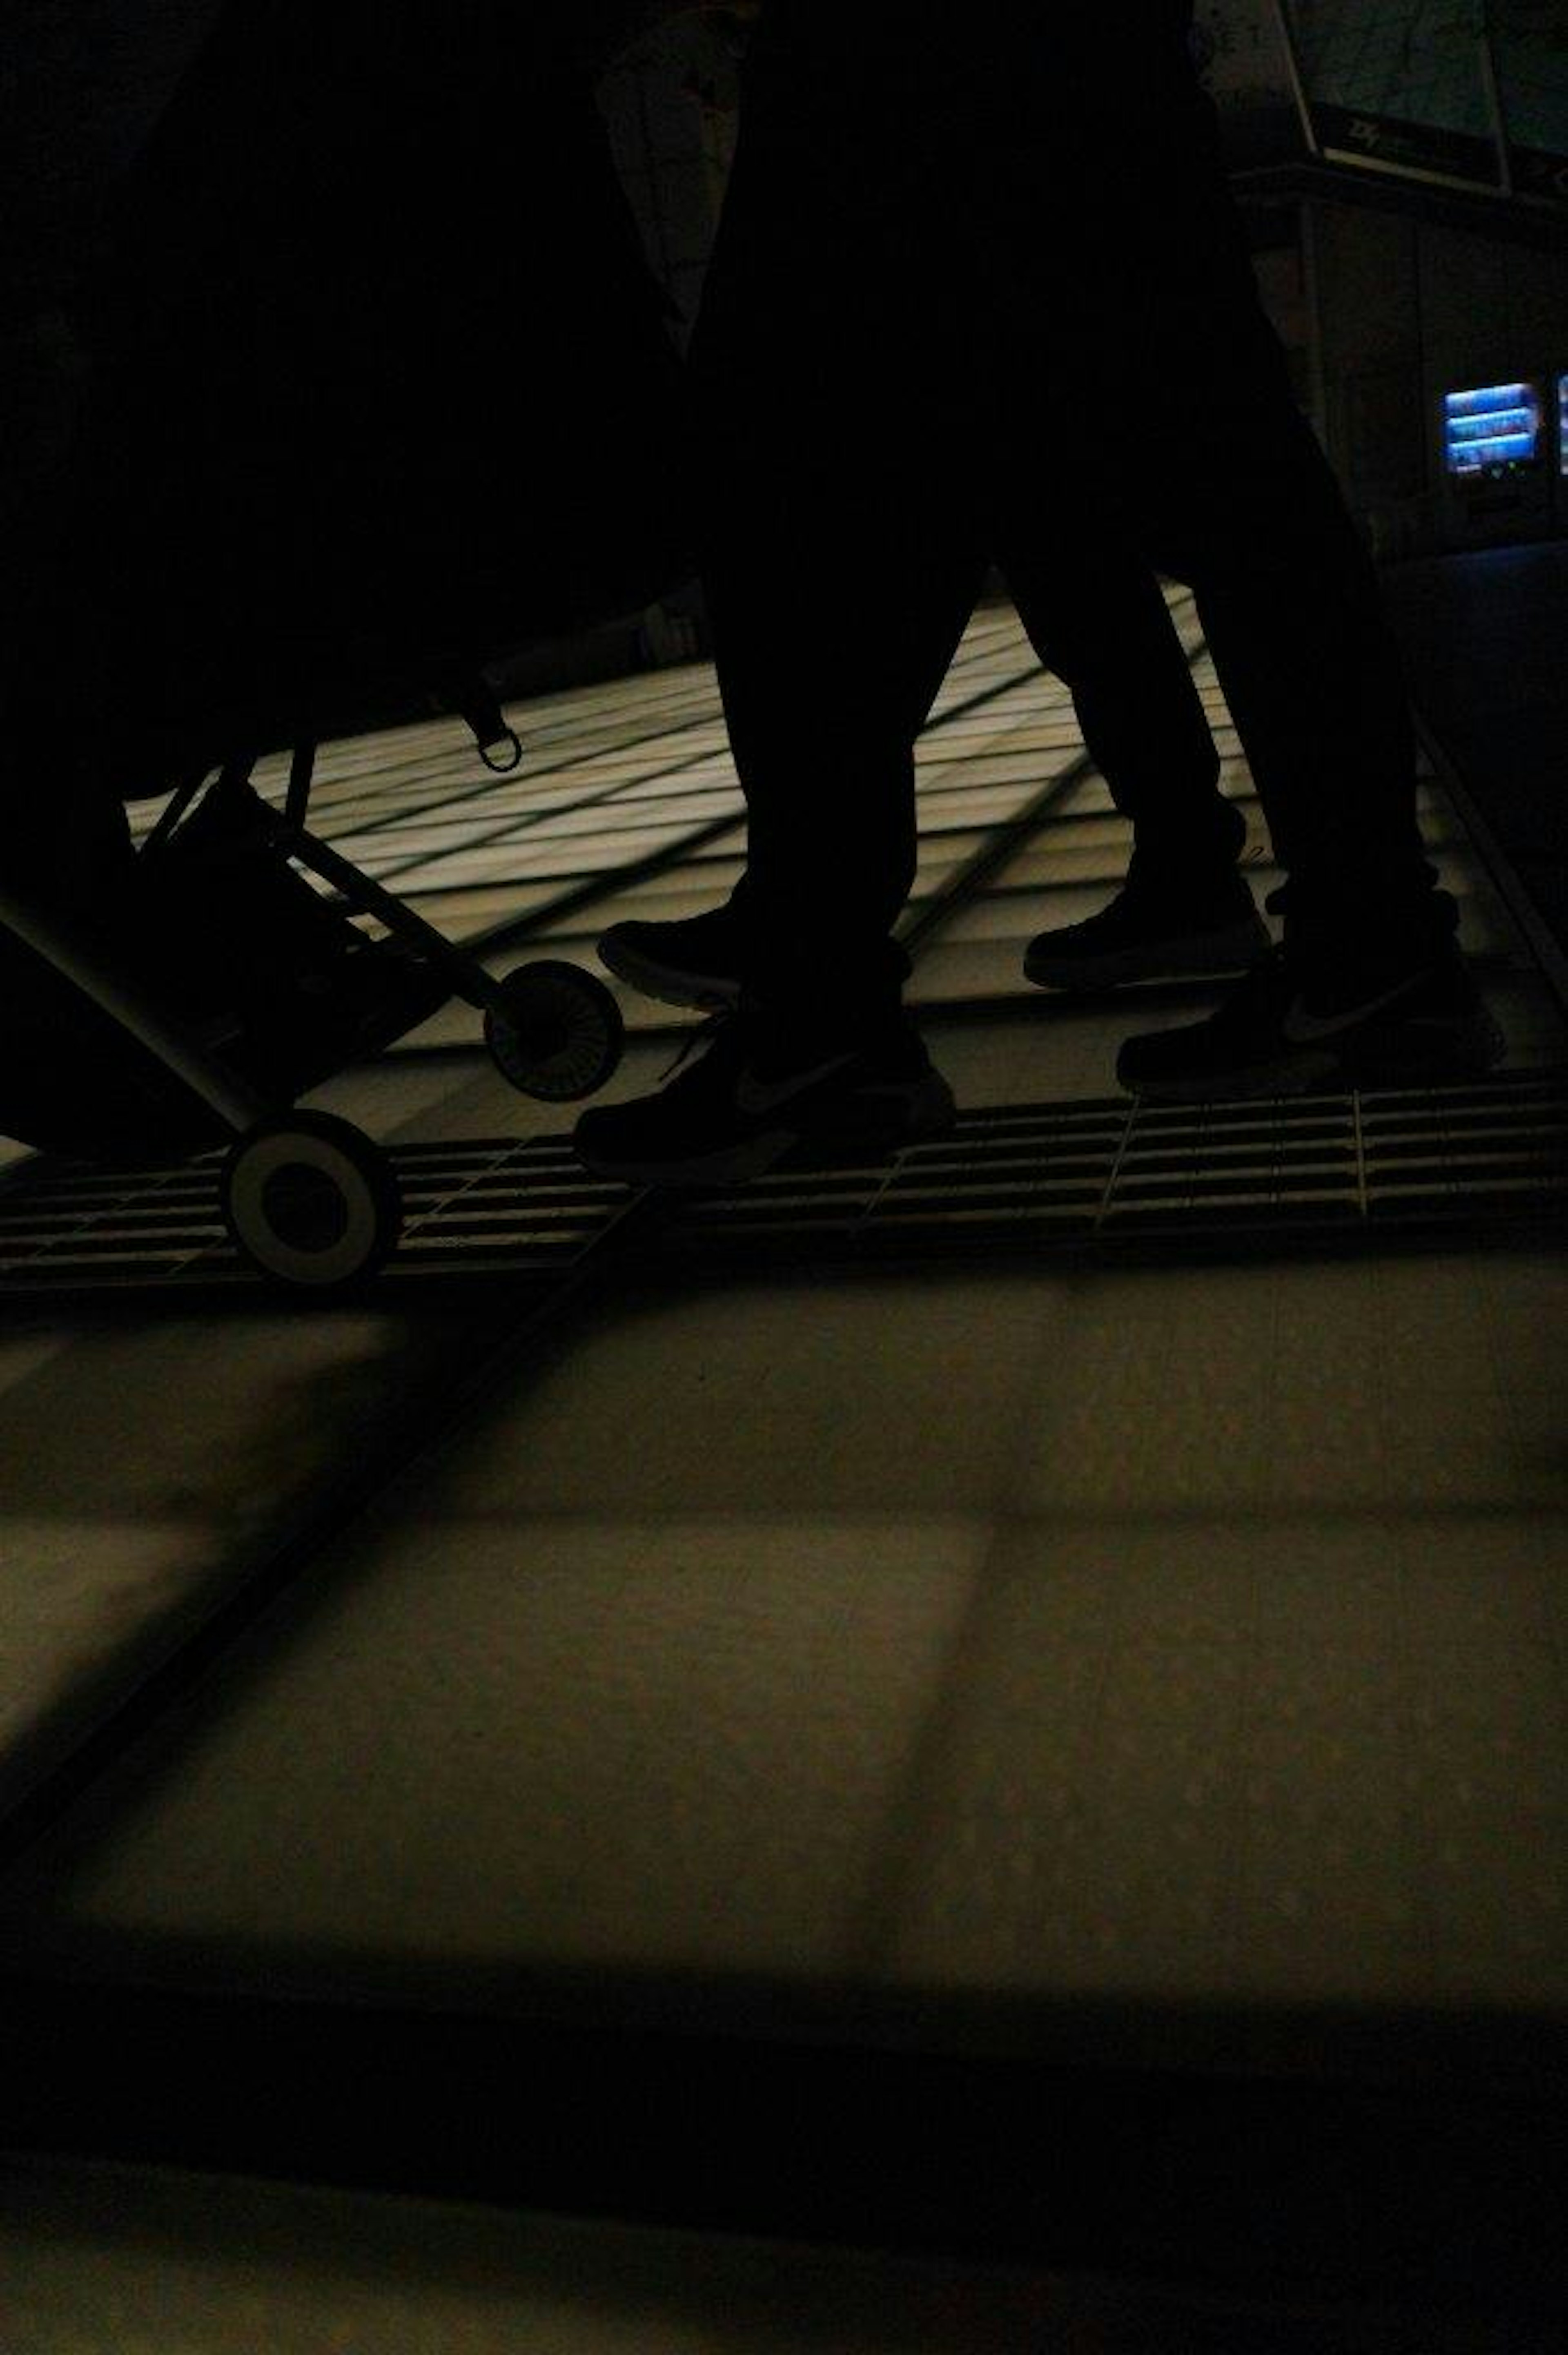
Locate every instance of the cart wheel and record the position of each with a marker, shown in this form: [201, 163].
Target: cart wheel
[557, 1033]
[311, 1201]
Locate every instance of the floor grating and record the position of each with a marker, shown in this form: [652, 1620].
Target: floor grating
[1075, 1176]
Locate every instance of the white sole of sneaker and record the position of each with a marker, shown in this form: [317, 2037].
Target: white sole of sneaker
[667, 984]
[1225, 952]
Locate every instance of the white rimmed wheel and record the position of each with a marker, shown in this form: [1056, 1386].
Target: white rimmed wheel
[311, 1201]
[557, 1033]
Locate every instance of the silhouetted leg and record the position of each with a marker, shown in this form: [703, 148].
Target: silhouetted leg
[1131, 352]
[1253, 518]
[823, 708]
[837, 584]
[1096, 616]
[1241, 502]
[1314, 683]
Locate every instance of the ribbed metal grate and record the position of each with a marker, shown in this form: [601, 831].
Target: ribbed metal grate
[499, 1205]
[1092, 1174]
[1069, 1176]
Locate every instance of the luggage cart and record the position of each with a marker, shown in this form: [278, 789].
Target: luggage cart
[309, 1199]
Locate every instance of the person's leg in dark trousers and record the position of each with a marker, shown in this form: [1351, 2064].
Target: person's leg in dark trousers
[1176, 395]
[822, 720]
[822, 713]
[1242, 503]
[836, 571]
[841, 370]
[818, 493]
[823, 708]
[1096, 616]
[839, 408]
[816, 468]
[838, 579]
[1175, 392]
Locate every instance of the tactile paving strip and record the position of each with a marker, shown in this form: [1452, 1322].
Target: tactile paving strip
[1074, 1176]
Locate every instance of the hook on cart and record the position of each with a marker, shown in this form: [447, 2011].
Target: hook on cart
[474, 701]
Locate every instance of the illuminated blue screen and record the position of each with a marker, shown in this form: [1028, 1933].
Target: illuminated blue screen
[1491, 429]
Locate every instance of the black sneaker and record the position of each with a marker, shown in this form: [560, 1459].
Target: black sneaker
[1281, 1032]
[693, 962]
[756, 1092]
[1149, 930]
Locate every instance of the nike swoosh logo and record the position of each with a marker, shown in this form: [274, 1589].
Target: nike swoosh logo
[1302, 1028]
[755, 1097]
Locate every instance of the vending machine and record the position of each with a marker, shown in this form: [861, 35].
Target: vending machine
[1499, 448]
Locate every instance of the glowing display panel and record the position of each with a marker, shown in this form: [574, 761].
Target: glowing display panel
[1493, 428]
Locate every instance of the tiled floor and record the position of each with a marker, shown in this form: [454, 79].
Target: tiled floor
[144, 1466]
[619, 777]
[1138, 1637]
[1178, 1649]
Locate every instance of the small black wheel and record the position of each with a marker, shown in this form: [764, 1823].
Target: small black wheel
[558, 1032]
[310, 1202]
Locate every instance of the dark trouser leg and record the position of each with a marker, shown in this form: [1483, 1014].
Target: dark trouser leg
[1096, 617]
[1172, 395]
[837, 586]
[1314, 684]
[1240, 501]
[1289, 601]
[825, 689]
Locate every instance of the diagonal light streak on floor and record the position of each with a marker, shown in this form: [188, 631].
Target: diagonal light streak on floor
[625, 804]
[483, 817]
